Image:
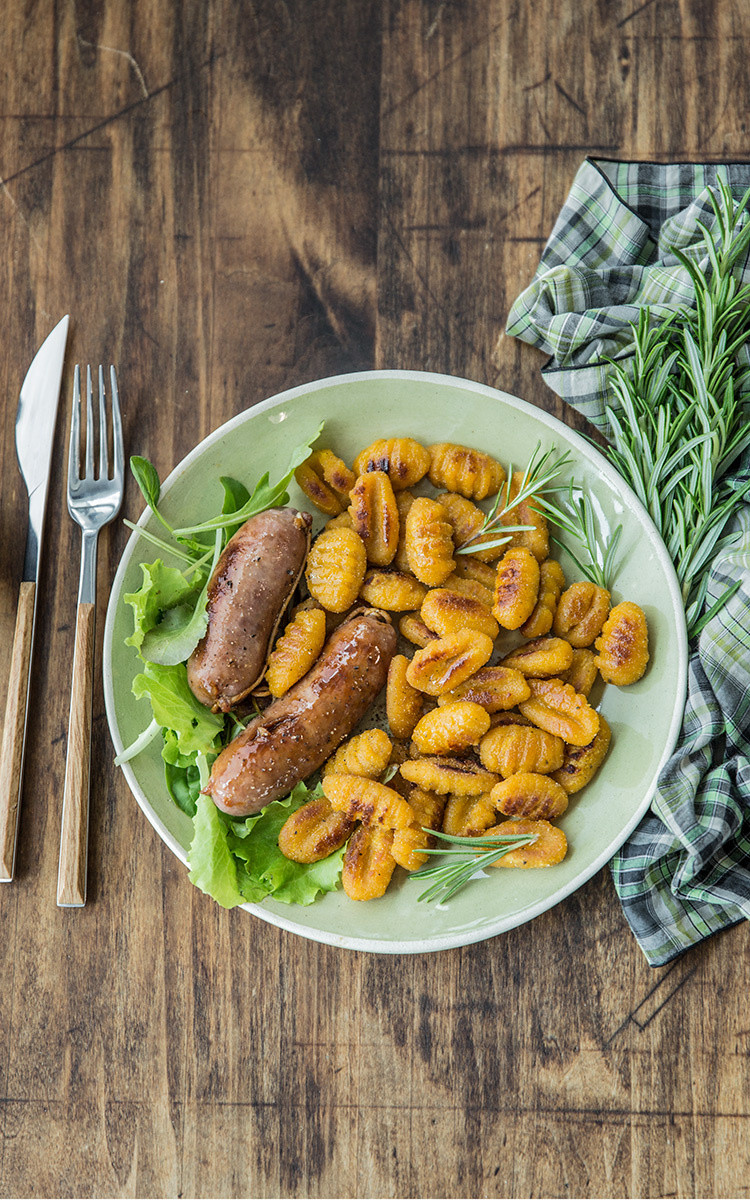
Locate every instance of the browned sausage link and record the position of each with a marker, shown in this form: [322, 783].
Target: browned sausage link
[297, 733]
[248, 592]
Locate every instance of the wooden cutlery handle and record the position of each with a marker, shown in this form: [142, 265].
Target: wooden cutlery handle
[74, 834]
[11, 755]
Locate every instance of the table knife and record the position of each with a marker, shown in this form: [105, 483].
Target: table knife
[35, 430]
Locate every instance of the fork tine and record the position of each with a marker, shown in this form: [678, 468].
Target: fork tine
[119, 456]
[89, 425]
[103, 451]
[75, 431]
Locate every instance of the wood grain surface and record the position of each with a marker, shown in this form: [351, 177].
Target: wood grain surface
[232, 197]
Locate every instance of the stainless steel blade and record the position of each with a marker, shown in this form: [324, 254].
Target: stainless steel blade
[35, 430]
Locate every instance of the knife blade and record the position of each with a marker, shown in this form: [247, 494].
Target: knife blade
[36, 418]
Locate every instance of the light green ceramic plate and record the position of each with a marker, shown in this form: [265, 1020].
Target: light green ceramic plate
[645, 718]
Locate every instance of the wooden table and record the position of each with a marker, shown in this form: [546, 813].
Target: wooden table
[231, 199]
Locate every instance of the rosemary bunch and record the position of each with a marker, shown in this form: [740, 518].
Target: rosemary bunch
[683, 417]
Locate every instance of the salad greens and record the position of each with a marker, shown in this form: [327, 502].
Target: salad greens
[233, 860]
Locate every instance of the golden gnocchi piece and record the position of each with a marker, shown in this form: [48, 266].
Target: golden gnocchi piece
[403, 703]
[296, 650]
[367, 801]
[531, 795]
[342, 521]
[495, 688]
[550, 846]
[468, 816]
[457, 776]
[335, 569]
[542, 657]
[448, 661]
[402, 459]
[469, 567]
[375, 516]
[460, 469]
[413, 628]
[551, 584]
[514, 749]
[368, 863]
[555, 707]
[535, 539]
[581, 613]
[582, 672]
[366, 754]
[409, 844]
[581, 763]
[446, 612]
[452, 728]
[394, 591]
[516, 587]
[623, 645]
[466, 521]
[314, 831]
[404, 501]
[472, 588]
[326, 480]
[429, 542]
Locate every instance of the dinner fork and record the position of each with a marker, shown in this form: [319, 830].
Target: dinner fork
[93, 500]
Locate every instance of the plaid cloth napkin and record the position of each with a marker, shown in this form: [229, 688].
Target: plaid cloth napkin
[685, 871]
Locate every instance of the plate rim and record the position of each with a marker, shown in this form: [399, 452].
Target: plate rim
[446, 941]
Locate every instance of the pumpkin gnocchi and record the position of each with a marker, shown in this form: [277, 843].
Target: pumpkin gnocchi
[623, 646]
[403, 703]
[429, 542]
[336, 566]
[516, 588]
[479, 724]
[471, 473]
[326, 480]
[581, 612]
[452, 728]
[374, 516]
[448, 661]
[296, 650]
[402, 459]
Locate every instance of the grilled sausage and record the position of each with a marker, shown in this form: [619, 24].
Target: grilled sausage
[297, 733]
[251, 586]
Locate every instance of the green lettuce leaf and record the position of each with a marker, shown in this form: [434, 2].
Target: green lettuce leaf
[259, 869]
[175, 707]
[212, 864]
[163, 588]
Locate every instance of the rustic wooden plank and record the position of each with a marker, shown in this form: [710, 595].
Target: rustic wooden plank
[232, 199]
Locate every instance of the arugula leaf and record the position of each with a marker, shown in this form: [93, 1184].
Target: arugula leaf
[175, 707]
[147, 478]
[265, 495]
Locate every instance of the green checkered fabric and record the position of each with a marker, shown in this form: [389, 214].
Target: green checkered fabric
[685, 871]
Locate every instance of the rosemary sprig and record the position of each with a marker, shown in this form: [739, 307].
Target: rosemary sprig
[459, 867]
[681, 422]
[576, 517]
[538, 480]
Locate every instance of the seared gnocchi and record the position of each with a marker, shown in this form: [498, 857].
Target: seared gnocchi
[482, 724]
